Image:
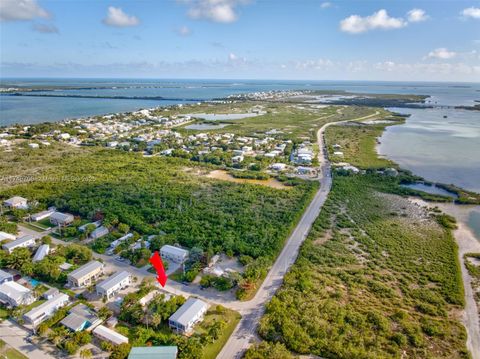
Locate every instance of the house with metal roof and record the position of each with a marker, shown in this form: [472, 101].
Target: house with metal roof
[190, 313]
[86, 274]
[41, 252]
[16, 202]
[5, 277]
[46, 309]
[113, 284]
[13, 294]
[99, 232]
[173, 253]
[80, 317]
[109, 335]
[61, 219]
[25, 241]
[49, 294]
[5, 235]
[163, 352]
[42, 215]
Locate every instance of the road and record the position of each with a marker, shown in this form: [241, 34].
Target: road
[15, 336]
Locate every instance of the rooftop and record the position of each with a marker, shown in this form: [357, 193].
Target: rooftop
[81, 272]
[110, 334]
[164, 352]
[113, 280]
[18, 241]
[46, 306]
[187, 311]
[174, 250]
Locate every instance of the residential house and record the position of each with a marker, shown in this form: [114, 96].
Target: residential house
[113, 284]
[5, 235]
[16, 203]
[49, 294]
[97, 224]
[61, 219]
[42, 215]
[173, 253]
[5, 277]
[46, 309]
[99, 232]
[190, 313]
[79, 318]
[25, 241]
[41, 252]
[109, 335]
[13, 294]
[85, 275]
[163, 352]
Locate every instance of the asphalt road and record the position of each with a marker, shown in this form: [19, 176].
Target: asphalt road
[246, 332]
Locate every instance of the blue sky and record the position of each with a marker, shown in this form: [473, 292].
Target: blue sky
[271, 39]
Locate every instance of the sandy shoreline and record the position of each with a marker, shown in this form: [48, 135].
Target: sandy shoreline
[467, 242]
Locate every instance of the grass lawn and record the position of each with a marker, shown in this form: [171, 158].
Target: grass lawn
[231, 318]
[32, 227]
[6, 352]
[3, 314]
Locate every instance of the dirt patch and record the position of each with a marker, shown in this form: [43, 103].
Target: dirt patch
[225, 176]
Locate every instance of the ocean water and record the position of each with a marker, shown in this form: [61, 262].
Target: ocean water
[137, 94]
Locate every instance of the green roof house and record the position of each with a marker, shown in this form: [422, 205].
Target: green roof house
[164, 352]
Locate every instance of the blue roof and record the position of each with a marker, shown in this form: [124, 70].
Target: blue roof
[163, 352]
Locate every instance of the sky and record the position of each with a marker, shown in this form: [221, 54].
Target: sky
[242, 39]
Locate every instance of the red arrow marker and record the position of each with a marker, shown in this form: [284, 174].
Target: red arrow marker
[157, 263]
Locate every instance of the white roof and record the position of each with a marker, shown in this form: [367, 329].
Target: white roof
[5, 235]
[110, 334]
[46, 306]
[188, 311]
[18, 242]
[15, 200]
[59, 216]
[81, 272]
[174, 250]
[113, 280]
[14, 290]
[41, 252]
[4, 275]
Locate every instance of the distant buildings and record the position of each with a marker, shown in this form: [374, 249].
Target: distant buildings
[61, 219]
[191, 312]
[16, 203]
[25, 241]
[109, 335]
[163, 352]
[13, 294]
[41, 252]
[85, 275]
[46, 309]
[173, 253]
[113, 284]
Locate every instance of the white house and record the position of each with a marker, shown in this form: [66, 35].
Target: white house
[46, 309]
[33, 145]
[61, 219]
[109, 335]
[25, 241]
[278, 166]
[85, 274]
[116, 282]
[99, 232]
[5, 277]
[173, 253]
[16, 203]
[5, 235]
[190, 313]
[14, 294]
[42, 215]
[41, 252]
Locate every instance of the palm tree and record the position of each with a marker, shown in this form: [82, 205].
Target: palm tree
[86, 354]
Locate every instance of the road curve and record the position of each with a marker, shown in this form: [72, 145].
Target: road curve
[246, 331]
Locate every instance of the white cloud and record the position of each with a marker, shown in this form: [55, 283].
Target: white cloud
[116, 17]
[417, 15]
[183, 31]
[232, 57]
[11, 10]
[325, 5]
[356, 24]
[319, 64]
[45, 28]
[223, 11]
[472, 12]
[442, 53]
